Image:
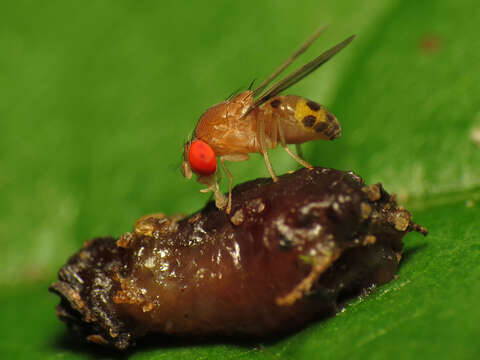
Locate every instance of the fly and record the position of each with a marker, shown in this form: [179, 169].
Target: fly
[257, 120]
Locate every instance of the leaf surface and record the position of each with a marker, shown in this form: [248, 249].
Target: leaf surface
[98, 97]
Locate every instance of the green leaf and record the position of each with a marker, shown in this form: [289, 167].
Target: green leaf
[98, 97]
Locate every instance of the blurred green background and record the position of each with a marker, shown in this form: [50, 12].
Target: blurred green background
[98, 97]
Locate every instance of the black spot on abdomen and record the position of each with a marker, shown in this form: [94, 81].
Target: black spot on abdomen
[309, 120]
[313, 105]
[321, 126]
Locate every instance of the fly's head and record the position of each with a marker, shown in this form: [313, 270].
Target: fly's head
[198, 158]
[213, 129]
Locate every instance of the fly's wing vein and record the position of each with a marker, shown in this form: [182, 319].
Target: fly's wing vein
[300, 73]
[287, 62]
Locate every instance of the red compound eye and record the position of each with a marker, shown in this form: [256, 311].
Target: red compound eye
[202, 158]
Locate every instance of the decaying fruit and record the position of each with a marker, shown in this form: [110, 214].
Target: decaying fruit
[289, 252]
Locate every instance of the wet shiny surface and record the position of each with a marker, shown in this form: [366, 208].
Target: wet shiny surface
[288, 253]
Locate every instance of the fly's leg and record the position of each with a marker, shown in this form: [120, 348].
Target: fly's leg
[230, 182]
[212, 185]
[231, 157]
[263, 147]
[298, 148]
[290, 152]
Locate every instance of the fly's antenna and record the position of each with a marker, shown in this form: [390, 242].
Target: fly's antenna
[287, 62]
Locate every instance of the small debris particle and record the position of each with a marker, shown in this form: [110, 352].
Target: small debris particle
[373, 192]
[365, 210]
[87, 244]
[125, 239]
[238, 217]
[336, 207]
[147, 307]
[144, 229]
[256, 205]
[261, 207]
[369, 240]
[147, 223]
[150, 263]
[97, 339]
[402, 220]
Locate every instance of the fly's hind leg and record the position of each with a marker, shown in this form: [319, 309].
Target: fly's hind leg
[298, 148]
[231, 157]
[263, 147]
[298, 158]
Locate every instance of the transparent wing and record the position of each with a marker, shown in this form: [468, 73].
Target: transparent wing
[299, 74]
[287, 62]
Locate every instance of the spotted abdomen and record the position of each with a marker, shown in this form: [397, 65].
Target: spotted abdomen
[303, 120]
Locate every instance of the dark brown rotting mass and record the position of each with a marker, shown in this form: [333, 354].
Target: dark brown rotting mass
[275, 103]
[288, 253]
[309, 120]
[313, 105]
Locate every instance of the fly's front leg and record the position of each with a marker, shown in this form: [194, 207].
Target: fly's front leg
[212, 185]
[263, 147]
[297, 158]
